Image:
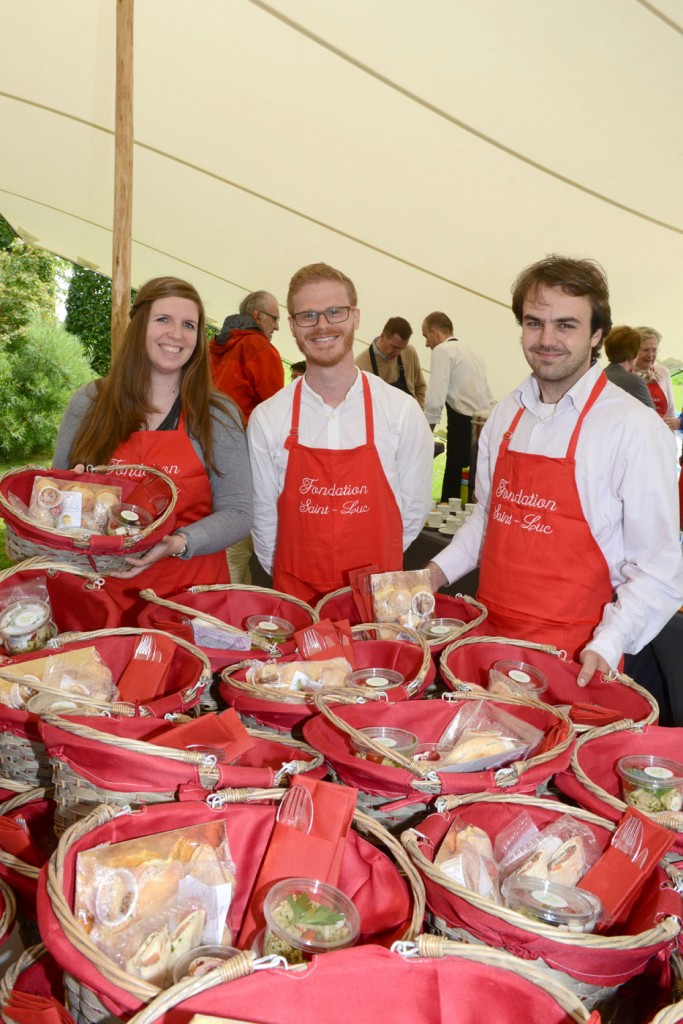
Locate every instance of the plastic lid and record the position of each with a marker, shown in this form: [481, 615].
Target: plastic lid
[395, 739]
[311, 915]
[199, 961]
[522, 675]
[269, 625]
[551, 903]
[130, 515]
[24, 617]
[650, 770]
[438, 629]
[377, 678]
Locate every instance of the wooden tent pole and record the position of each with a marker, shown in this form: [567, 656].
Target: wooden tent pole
[123, 173]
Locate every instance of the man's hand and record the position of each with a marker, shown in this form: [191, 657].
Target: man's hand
[591, 663]
[437, 577]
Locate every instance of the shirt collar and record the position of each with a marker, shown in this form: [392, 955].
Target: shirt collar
[378, 351]
[355, 387]
[528, 393]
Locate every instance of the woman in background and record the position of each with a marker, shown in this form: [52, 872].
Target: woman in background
[656, 376]
[156, 408]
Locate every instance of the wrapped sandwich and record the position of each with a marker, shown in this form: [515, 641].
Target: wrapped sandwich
[300, 676]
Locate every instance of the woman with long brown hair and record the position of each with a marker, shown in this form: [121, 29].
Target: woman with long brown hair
[156, 407]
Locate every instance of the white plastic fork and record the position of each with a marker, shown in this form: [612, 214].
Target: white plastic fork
[310, 643]
[296, 809]
[628, 837]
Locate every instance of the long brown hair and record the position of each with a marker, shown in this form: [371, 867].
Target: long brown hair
[121, 405]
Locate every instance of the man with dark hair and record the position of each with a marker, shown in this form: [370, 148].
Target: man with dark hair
[576, 529]
[297, 369]
[457, 377]
[245, 365]
[341, 462]
[394, 360]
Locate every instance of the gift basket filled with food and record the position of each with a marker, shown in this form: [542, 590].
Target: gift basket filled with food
[26, 841]
[451, 617]
[94, 518]
[624, 766]
[127, 895]
[413, 983]
[31, 990]
[42, 597]
[554, 883]
[507, 666]
[230, 621]
[352, 663]
[138, 761]
[401, 756]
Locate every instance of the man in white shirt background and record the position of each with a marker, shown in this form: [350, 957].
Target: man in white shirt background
[576, 529]
[457, 378]
[341, 461]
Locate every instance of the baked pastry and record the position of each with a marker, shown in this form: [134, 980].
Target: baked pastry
[568, 864]
[474, 745]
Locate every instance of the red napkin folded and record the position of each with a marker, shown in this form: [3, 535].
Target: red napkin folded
[25, 1008]
[583, 713]
[291, 853]
[143, 678]
[175, 623]
[359, 580]
[333, 640]
[16, 840]
[224, 730]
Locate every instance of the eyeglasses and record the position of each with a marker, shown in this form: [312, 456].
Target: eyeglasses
[264, 312]
[333, 315]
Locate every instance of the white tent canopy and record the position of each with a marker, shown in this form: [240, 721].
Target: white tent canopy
[429, 148]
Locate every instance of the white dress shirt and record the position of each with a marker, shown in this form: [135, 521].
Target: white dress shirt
[402, 437]
[456, 376]
[626, 479]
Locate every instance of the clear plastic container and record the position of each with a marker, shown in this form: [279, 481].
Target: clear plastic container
[270, 627]
[577, 910]
[399, 740]
[26, 625]
[440, 629]
[199, 961]
[521, 678]
[128, 520]
[377, 678]
[305, 916]
[651, 783]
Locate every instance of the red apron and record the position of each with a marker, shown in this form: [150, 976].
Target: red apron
[658, 397]
[170, 451]
[543, 577]
[336, 512]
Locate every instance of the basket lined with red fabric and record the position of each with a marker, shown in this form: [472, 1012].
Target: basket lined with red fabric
[105, 760]
[169, 685]
[8, 910]
[287, 710]
[427, 981]
[221, 605]
[593, 965]
[341, 605]
[673, 1014]
[37, 977]
[591, 778]
[26, 538]
[27, 840]
[395, 794]
[601, 702]
[78, 596]
[375, 873]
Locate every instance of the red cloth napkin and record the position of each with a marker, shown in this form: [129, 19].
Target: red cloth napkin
[16, 840]
[584, 713]
[291, 853]
[25, 1008]
[144, 678]
[224, 730]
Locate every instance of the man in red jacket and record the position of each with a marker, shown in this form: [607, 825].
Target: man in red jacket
[245, 365]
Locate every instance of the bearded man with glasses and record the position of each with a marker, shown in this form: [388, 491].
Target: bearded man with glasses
[341, 461]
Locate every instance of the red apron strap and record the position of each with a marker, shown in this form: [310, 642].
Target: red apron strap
[369, 415]
[592, 399]
[293, 435]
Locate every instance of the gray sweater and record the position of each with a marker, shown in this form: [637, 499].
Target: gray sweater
[232, 493]
[630, 383]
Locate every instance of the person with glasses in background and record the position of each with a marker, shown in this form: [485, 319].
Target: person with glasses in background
[246, 366]
[341, 461]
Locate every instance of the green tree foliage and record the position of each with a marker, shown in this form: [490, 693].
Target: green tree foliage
[88, 315]
[40, 365]
[27, 286]
[7, 233]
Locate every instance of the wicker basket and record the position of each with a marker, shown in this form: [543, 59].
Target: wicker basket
[8, 910]
[227, 606]
[35, 807]
[406, 985]
[592, 781]
[286, 710]
[133, 772]
[25, 538]
[34, 958]
[592, 965]
[468, 661]
[673, 1014]
[98, 987]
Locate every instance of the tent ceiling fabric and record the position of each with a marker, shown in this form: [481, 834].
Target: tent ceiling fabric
[429, 150]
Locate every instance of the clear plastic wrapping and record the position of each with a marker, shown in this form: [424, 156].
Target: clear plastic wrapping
[402, 598]
[72, 505]
[300, 676]
[146, 902]
[481, 736]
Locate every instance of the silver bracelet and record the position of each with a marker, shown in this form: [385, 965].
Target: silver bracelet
[180, 554]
